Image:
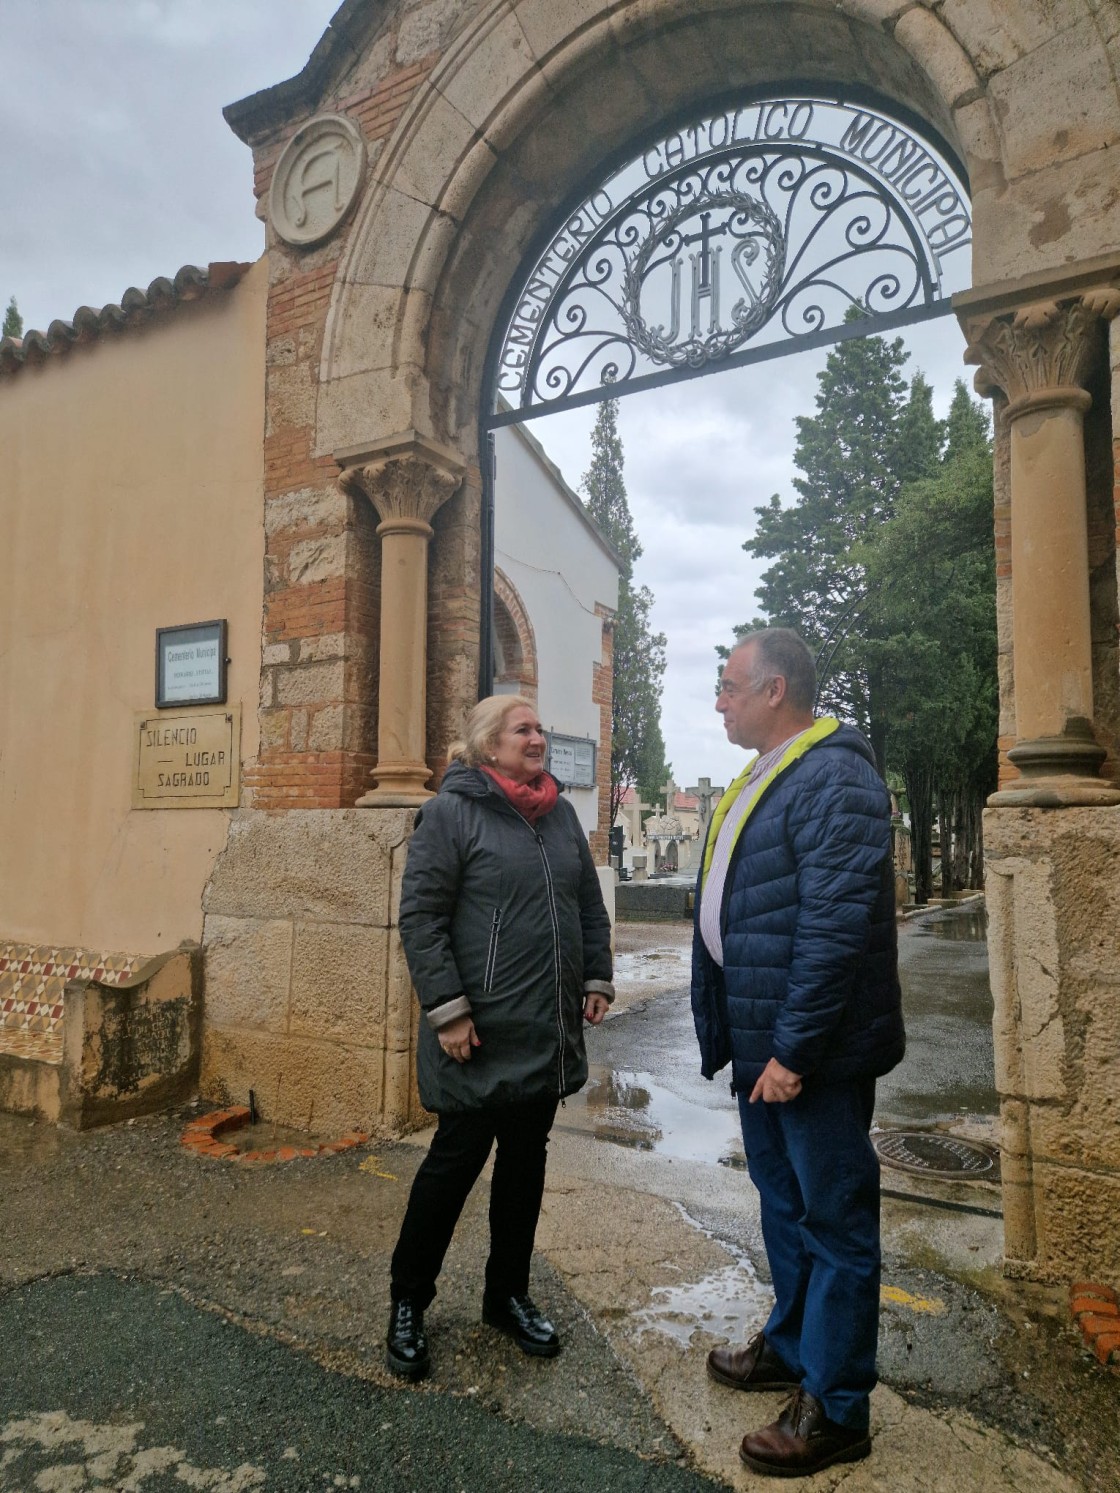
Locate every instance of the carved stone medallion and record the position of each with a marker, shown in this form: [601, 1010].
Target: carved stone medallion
[316, 179]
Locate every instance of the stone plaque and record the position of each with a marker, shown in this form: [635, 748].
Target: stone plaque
[316, 179]
[187, 759]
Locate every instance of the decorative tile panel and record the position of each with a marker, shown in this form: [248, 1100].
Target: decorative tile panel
[33, 978]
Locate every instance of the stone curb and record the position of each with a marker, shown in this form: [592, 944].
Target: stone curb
[201, 1137]
[1096, 1310]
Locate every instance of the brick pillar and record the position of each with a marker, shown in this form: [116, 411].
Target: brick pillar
[322, 557]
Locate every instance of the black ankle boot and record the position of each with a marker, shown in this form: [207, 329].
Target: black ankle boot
[525, 1323]
[406, 1347]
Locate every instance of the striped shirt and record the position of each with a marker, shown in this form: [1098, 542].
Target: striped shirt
[711, 901]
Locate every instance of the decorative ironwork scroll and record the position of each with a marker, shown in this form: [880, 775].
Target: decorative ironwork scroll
[759, 225]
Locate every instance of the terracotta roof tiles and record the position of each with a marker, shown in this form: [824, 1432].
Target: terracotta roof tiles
[161, 296]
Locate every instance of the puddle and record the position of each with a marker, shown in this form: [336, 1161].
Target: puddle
[731, 1302]
[265, 1136]
[963, 925]
[634, 1110]
[645, 972]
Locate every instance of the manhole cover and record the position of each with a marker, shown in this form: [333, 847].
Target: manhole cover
[930, 1154]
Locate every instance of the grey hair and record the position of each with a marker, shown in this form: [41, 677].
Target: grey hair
[781, 652]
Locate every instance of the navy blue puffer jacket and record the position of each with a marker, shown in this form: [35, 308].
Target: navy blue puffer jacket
[810, 972]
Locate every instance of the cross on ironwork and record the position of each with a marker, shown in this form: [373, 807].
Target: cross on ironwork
[704, 238]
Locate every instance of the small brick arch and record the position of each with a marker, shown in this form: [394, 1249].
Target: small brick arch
[516, 652]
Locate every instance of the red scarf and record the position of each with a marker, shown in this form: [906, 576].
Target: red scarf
[532, 800]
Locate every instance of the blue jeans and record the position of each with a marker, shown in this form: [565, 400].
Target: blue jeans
[817, 1175]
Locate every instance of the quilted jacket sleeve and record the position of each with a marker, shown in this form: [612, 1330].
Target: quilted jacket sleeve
[840, 831]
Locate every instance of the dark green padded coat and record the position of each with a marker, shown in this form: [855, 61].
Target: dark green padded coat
[505, 921]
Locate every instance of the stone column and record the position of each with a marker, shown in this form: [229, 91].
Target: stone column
[407, 478]
[1040, 356]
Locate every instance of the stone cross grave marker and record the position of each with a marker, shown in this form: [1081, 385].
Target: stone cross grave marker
[632, 812]
[708, 796]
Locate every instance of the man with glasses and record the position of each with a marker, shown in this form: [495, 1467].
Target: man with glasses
[795, 983]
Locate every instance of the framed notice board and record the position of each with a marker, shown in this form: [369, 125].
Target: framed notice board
[191, 664]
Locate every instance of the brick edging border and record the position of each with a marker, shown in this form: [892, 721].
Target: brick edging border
[1096, 1310]
[201, 1137]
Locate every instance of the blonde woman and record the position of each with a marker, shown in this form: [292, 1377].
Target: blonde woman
[508, 945]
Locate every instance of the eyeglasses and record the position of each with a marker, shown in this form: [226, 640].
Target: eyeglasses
[730, 690]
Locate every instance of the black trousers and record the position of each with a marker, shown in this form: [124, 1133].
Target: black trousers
[458, 1153]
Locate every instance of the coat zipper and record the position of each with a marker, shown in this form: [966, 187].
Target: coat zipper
[555, 958]
[554, 919]
[492, 951]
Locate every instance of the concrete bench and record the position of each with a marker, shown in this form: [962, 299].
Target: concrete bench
[89, 1037]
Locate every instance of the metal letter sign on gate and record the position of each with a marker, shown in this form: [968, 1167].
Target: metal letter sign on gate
[764, 224]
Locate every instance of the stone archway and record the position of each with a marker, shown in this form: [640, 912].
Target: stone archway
[515, 669]
[477, 121]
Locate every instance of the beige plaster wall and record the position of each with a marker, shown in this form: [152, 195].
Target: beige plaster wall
[130, 498]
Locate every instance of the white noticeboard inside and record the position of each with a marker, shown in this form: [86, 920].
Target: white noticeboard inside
[571, 760]
[191, 665]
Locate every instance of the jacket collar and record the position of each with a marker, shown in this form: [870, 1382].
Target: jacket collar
[817, 732]
[472, 782]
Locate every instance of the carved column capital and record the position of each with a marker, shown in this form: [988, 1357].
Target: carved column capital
[1043, 353]
[407, 479]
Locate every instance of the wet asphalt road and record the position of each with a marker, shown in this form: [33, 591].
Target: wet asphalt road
[162, 1396]
[646, 1091]
[168, 1325]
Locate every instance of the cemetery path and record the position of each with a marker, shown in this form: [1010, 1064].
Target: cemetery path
[174, 1321]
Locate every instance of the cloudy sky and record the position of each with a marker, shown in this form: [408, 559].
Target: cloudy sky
[117, 166]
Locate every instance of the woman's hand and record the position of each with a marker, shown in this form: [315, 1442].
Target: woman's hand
[595, 1007]
[458, 1037]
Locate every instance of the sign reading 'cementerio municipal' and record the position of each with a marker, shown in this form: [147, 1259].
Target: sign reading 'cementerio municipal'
[191, 664]
[187, 760]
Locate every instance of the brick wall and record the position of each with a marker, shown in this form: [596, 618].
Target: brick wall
[322, 556]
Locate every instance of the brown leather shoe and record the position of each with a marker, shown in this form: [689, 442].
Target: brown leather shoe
[755, 1366]
[802, 1440]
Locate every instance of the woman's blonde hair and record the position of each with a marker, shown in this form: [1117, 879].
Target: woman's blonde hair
[484, 725]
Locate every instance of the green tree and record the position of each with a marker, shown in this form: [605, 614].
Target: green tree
[932, 568]
[13, 321]
[637, 745]
[885, 565]
[869, 435]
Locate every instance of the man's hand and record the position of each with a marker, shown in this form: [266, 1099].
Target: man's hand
[458, 1037]
[595, 1007]
[776, 1085]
